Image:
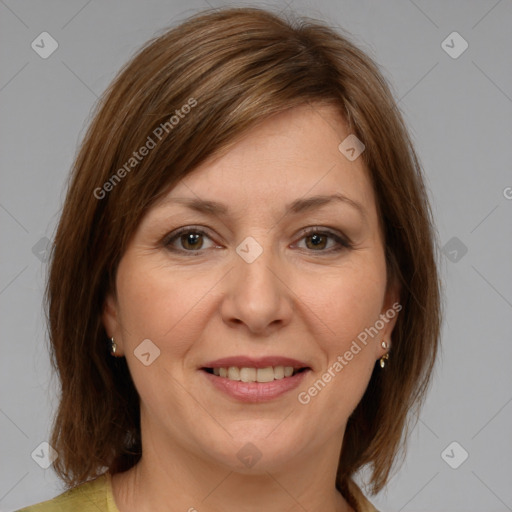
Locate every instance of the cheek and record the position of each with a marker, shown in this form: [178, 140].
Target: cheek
[358, 306]
[345, 302]
[161, 305]
[350, 306]
[344, 309]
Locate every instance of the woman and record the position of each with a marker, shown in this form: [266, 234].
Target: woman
[244, 304]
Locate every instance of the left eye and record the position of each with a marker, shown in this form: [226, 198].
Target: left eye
[319, 240]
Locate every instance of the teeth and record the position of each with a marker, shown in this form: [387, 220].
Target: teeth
[248, 374]
[265, 374]
[234, 373]
[278, 372]
[255, 374]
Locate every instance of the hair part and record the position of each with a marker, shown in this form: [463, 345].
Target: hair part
[240, 65]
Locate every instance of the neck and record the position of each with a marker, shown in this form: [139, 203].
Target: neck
[189, 482]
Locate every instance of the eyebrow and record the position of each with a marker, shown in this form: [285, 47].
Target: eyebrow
[298, 206]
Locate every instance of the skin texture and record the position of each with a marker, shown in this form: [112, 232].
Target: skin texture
[297, 299]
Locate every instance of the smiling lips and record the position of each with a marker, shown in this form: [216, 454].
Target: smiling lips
[255, 380]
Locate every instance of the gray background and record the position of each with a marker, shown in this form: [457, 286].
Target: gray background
[459, 113]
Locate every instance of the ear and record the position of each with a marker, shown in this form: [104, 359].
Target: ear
[389, 315]
[110, 319]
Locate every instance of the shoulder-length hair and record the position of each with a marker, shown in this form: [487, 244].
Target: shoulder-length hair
[186, 95]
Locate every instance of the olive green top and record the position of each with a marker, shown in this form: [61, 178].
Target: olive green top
[93, 496]
[96, 496]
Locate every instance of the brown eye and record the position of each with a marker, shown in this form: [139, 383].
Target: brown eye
[191, 241]
[186, 240]
[319, 241]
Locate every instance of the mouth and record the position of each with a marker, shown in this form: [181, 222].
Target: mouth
[255, 380]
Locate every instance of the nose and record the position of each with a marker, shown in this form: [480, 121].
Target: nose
[257, 295]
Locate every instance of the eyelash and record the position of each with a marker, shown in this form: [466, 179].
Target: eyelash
[342, 242]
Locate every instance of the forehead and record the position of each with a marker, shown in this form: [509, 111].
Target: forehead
[287, 156]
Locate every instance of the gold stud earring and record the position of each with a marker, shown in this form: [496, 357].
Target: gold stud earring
[113, 347]
[385, 357]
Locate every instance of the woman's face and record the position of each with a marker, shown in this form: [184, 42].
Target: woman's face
[217, 304]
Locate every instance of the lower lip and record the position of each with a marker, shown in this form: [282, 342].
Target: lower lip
[255, 391]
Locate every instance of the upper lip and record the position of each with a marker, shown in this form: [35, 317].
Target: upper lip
[255, 362]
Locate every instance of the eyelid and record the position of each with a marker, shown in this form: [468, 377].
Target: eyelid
[342, 240]
[166, 241]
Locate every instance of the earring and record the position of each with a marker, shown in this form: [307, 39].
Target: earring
[113, 347]
[385, 357]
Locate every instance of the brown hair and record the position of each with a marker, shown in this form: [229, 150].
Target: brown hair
[234, 67]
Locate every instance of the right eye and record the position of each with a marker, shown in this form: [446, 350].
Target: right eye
[190, 240]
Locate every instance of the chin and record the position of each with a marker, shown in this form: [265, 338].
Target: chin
[257, 453]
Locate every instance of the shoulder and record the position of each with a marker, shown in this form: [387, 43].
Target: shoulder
[93, 496]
